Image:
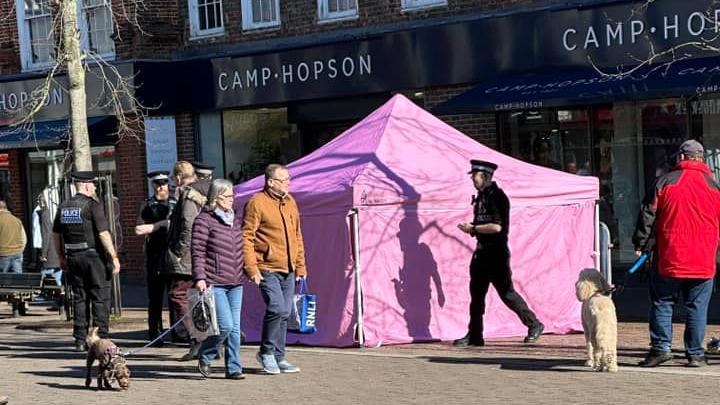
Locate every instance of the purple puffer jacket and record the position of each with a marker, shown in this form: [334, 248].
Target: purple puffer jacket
[216, 251]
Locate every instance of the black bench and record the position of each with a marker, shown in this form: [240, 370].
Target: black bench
[18, 289]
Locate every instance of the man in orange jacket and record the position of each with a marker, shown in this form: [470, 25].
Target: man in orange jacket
[274, 256]
[683, 215]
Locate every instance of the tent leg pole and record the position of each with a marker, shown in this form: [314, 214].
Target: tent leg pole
[356, 267]
[596, 224]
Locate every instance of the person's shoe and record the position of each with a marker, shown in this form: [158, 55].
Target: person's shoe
[80, 346]
[697, 361]
[466, 341]
[534, 333]
[192, 354]
[654, 358]
[287, 367]
[236, 376]
[204, 369]
[268, 362]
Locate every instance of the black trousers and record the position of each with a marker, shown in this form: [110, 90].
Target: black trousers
[157, 286]
[89, 279]
[492, 266]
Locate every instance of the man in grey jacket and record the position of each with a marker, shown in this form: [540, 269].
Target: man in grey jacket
[191, 197]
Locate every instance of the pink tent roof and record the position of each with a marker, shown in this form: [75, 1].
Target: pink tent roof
[424, 161]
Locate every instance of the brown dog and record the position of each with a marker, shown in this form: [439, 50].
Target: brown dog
[111, 364]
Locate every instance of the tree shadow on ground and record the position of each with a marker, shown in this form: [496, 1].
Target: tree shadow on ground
[139, 372]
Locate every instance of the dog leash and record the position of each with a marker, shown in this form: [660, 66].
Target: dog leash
[162, 335]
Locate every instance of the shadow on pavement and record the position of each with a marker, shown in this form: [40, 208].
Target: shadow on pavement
[522, 364]
[76, 387]
[145, 372]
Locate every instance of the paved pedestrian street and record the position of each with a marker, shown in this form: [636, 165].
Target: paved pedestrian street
[37, 367]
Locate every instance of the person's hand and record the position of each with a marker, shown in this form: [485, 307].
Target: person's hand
[465, 227]
[116, 265]
[143, 229]
[43, 259]
[256, 278]
[638, 253]
[201, 285]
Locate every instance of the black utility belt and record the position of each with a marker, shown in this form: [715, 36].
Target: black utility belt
[76, 251]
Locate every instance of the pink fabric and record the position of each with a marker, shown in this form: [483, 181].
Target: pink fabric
[406, 173]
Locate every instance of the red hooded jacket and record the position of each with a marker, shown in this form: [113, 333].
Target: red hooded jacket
[683, 216]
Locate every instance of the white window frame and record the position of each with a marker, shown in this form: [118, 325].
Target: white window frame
[325, 15]
[84, 26]
[195, 31]
[412, 5]
[26, 59]
[247, 17]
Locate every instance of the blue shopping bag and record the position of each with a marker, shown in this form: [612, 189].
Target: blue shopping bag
[304, 313]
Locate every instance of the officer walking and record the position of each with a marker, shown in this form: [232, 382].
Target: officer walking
[491, 261]
[152, 222]
[81, 232]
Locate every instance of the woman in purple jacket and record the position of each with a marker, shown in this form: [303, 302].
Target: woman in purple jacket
[217, 261]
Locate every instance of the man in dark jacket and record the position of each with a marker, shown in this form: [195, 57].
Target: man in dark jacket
[192, 196]
[491, 261]
[682, 215]
[152, 222]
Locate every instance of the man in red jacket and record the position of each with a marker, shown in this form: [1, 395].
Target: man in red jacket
[682, 218]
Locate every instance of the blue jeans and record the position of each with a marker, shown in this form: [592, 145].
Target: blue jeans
[53, 272]
[11, 264]
[278, 290]
[664, 293]
[228, 303]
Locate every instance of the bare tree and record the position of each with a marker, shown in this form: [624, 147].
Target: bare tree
[118, 90]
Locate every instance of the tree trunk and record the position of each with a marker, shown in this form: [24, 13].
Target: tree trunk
[76, 82]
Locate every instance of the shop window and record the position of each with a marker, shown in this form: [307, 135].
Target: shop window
[260, 14]
[255, 138]
[37, 41]
[333, 10]
[420, 4]
[209, 141]
[206, 18]
[705, 116]
[97, 26]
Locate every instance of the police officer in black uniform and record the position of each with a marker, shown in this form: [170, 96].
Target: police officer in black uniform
[491, 261]
[152, 222]
[82, 234]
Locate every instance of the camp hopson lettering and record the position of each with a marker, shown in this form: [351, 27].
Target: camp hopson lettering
[13, 101]
[259, 77]
[615, 34]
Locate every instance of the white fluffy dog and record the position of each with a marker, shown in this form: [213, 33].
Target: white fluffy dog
[599, 320]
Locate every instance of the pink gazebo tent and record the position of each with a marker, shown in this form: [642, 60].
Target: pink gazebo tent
[379, 207]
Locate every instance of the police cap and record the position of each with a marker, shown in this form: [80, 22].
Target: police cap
[482, 166]
[83, 176]
[203, 168]
[159, 176]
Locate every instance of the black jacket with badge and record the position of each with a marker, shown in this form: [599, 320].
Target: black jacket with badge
[492, 206]
[79, 221]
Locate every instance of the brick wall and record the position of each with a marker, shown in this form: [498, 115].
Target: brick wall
[299, 17]
[481, 127]
[132, 191]
[9, 48]
[185, 135]
[17, 181]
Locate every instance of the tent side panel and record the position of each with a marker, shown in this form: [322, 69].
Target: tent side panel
[329, 262]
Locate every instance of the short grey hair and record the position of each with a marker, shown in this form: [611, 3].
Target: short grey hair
[217, 188]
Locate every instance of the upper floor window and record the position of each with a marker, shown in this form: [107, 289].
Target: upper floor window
[35, 28]
[417, 4]
[97, 27]
[331, 10]
[206, 18]
[260, 14]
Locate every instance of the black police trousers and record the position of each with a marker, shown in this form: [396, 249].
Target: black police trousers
[157, 285]
[491, 265]
[90, 282]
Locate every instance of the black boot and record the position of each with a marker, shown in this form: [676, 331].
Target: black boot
[192, 354]
[534, 333]
[466, 341]
[655, 357]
